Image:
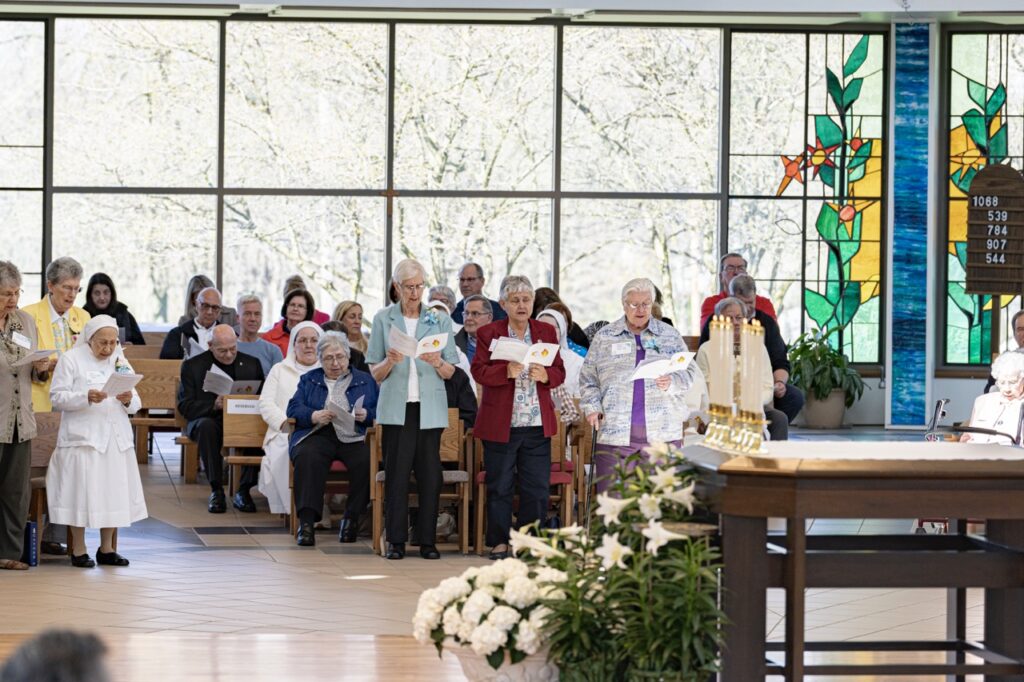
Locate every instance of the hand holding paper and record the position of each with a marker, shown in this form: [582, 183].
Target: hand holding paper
[34, 356]
[413, 348]
[659, 365]
[118, 384]
[514, 350]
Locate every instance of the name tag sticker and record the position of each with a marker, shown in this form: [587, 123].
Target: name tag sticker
[243, 407]
[624, 348]
[22, 340]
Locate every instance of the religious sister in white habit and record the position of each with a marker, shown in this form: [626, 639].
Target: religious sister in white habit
[93, 478]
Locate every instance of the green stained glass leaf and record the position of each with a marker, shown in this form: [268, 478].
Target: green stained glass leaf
[997, 146]
[958, 296]
[857, 173]
[974, 122]
[996, 101]
[961, 254]
[835, 90]
[827, 131]
[820, 310]
[832, 290]
[978, 92]
[849, 304]
[861, 156]
[965, 180]
[827, 223]
[856, 58]
[852, 92]
[827, 175]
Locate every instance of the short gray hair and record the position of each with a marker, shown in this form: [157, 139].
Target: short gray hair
[743, 285]
[728, 301]
[407, 269]
[479, 270]
[446, 293]
[640, 285]
[515, 284]
[247, 298]
[731, 254]
[488, 307]
[62, 269]
[58, 655]
[1008, 365]
[10, 276]
[328, 339]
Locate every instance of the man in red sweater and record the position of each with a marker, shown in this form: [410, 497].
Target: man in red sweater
[729, 266]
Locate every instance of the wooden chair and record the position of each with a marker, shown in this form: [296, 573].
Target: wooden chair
[583, 456]
[563, 481]
[158, 392]
[43, 445]
[146, 352]
[691, 343]
[243, 428]
[456, 479]
[189, 450]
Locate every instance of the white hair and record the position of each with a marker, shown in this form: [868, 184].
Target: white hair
[730, 301]
[742, 285]
[248, 298]
[329, 339]
[62, 269]
[515, 284]
[1008, 366]
[10, 276]
[640, 285]
[407, 269]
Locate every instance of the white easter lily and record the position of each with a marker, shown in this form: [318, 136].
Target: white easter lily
[683, 496]
[650, 506]
[612, 552]
[657, 536]
[657, 453]
[609, 508]
[664, 479]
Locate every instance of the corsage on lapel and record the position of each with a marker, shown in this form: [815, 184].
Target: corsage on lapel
[651, 344]
[431, 317]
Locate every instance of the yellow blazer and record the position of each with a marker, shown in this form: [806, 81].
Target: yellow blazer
[40, 312]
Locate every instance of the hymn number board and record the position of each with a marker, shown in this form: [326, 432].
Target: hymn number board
[995, 232]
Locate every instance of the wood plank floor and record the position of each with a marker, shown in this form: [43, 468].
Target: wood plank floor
[267, 658]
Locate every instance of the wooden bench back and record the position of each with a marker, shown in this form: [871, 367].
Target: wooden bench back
[154, 338]
[242, 430]
[453, 439]
[134, 353]
[159, 386]
[45, 442]
[691, 343]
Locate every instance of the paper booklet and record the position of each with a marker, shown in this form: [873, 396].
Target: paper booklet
[218, 382]
[192, 348]
[660, 365]
[34, 356]
[409, 346]
[120, 383]
[340, 417]
[514, 350]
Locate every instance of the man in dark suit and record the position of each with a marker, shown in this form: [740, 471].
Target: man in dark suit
[460, 394]
[471, 283]
[199, 329]
[204, 413]
[478, 312]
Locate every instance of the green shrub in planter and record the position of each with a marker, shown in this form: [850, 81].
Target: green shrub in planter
[818, 369]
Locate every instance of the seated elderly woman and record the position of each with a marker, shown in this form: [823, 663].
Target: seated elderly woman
[1001, 409]
[516, 420]
[735, 309]
[93, 479]
[297, 307]
[350, 315]
[323, 436]
[278, 389]
[630, 415]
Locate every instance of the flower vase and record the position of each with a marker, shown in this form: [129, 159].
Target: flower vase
[535, 668]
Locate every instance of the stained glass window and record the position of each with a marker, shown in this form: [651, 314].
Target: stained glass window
[985, 96]
[806, 159]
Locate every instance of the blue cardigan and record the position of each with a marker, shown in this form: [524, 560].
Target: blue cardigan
[311, 395]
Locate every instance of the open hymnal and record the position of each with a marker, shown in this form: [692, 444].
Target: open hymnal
[514, 350]
[660, 365]
[411, 347]
[218, 382]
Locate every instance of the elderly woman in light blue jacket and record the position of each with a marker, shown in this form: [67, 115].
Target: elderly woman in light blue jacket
[630, 415]
[412, 408]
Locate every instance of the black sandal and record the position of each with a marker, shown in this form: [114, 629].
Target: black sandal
[110, 559]
[82, 561]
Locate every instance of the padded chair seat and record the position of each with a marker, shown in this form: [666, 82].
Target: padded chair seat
[562, 466]
[338, 467]
[38, 482]
[449, 476]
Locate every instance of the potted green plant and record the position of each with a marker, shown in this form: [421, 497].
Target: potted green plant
[824, 374]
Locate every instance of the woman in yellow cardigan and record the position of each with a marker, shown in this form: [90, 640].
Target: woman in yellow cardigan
[58, 320]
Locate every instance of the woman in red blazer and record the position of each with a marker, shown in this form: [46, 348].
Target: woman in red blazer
[516, 420]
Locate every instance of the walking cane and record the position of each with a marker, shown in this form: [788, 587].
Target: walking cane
[590, 476]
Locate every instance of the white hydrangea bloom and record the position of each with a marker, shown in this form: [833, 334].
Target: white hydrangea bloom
[609, 508]
[650, 506]
[486, 639]
[547, 574]
[503, 617]
[452, 589]
[539, 616]
[466, 628]
[451, 620]
[527, 638]
[520, 592]
[478, 605]
[683, 496]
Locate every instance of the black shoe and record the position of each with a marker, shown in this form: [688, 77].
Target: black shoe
[305, 537]
[243, 502]
[110, 559]
[429, 552]
[82, 561]
[218, 504]
[498, 556]
[349, 530]
[50, 547]
[396, 550]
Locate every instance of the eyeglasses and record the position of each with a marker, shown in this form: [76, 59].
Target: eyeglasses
[639, 306]
[413, 288]
[15, 293]
[732, 269]
[212, 307]
[477, 313]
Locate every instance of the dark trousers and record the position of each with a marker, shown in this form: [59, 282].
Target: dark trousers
[409, 449]
[527, 454]
[15, 493]
[778, 424]
[208, 433]
[312, 459]
[791, 402]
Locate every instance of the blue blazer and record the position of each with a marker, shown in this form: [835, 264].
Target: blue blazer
[311, 395]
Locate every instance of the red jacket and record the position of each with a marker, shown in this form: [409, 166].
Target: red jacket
[707, 308]
[494, 419]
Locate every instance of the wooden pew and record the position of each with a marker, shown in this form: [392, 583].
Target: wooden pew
[154, 338]
[147, 352]
[158, 392]
[243, 428]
